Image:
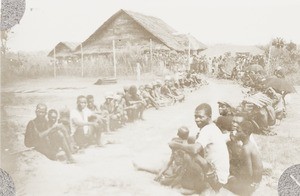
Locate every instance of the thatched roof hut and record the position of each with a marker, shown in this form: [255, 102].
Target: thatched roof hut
[131, 29]
[221, 49]
[187, 39]
[64, 49]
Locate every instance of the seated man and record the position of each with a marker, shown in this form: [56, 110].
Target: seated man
[225, 109]
[38, 132]
[136, 103]
[61, 132]
[215, 161]
[277, 103]
[90, 103]
[120, 108]
[234, 147]
[109, 108]
[249, 174]
[146, 93]
[84, 124]
[158, 97]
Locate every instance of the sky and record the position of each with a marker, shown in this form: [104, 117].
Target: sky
[243, 22]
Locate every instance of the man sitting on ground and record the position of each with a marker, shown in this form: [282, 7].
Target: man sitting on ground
[215, 162]
[37, 135]
[84, 125]
[90, 103]
[61, 132]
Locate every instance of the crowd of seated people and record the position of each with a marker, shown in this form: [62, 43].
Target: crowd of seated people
[60, 134]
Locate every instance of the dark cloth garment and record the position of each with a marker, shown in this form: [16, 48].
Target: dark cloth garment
[32, 138]
[82, 139]
[127, 98]
[109, 107]
[165, 90]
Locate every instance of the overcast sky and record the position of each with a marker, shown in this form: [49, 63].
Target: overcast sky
[243, 22]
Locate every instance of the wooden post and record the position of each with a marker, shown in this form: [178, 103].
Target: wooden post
[151, 55]
[189, 53]
[138, 72]
[269, 61]
[114, 56]
[81, 60]
[54, 66]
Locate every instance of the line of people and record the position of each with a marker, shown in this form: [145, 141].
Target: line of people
[58, 135]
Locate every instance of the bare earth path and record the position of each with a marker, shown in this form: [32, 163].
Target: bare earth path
[109, 170]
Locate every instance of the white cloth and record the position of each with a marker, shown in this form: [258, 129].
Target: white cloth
[215, 150]
[81, 116]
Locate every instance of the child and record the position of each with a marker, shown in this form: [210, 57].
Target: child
[250, 169]
[181, 170]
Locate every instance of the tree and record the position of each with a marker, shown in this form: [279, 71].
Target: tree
[291, 46]
[278, 42]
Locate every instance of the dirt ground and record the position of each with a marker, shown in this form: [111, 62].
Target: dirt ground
[109, 170]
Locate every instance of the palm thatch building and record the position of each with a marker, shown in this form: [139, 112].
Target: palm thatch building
[64, 50]
[130, 29]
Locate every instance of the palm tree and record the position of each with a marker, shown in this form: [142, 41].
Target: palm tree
[276, 43]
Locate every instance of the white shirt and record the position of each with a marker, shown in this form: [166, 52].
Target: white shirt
[81, 116]
[215, 150]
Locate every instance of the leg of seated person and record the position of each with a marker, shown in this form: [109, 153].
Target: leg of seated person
[58, 139]
[239, 187]
[80, 138]
[45, 149]
[68, 138]
[97, 131]
[202, 162]
[194, 177]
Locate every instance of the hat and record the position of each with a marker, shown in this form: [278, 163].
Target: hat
[148, 86]
[158, 82]
[224, 103]
[109, 95]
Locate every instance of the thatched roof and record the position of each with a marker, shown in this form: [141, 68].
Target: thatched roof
[195, 44]
[63, 49]
[221, 49]
[155, 26]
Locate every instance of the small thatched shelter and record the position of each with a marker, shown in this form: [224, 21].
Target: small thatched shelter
[221, 49]
[64, 50]
[131, 29]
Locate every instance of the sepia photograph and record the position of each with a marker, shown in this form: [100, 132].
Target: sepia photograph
[150, 98]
